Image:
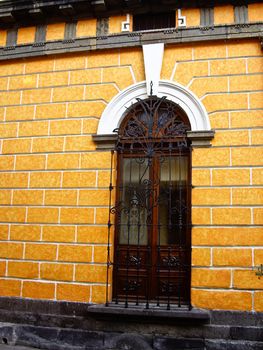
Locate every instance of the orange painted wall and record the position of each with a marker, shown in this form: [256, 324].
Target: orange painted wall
[54, 183]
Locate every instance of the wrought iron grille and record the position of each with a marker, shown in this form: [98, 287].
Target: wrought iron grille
[151, 215]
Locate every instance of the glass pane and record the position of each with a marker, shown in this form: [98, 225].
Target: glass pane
[172, 200]
[133, 195]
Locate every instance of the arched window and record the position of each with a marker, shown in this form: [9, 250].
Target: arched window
[152, 216]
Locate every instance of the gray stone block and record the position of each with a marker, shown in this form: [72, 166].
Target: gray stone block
[130, 342]
[221, 344]
[237, 318]
[81, 338]
[246, 333]
[169, 343]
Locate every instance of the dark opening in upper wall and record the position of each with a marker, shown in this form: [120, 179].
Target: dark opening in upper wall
[154, 21]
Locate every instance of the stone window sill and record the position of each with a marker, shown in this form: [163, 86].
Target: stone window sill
[140, 313]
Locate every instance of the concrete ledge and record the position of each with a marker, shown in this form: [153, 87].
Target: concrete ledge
[133, 39]
[141, 314]
[201, 138]
[198, 138]
[105, 141]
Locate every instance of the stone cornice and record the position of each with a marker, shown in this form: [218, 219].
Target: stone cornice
[199, 139]
[132, 39]
[29, 12]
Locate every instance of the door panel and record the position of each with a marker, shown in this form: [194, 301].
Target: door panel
[150, 255]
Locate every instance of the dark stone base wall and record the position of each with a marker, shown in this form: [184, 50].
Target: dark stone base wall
[70, 326]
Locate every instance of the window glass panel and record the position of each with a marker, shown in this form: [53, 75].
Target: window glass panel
[172, 206]
[133, 220]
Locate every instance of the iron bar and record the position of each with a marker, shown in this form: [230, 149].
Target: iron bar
[148, 264]
[138, 241]
[109, 231]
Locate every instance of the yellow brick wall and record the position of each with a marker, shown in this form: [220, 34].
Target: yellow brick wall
[192, 16]
[115, 23]
[54, 184]
[26, 35]
[255, 12]
[86, 27]
[227, 193]
[54, 195]
[224, 14]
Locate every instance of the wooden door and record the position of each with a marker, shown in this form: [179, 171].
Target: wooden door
[152, 211]
[151, 241]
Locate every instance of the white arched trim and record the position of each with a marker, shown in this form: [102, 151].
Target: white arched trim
[115, 111]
